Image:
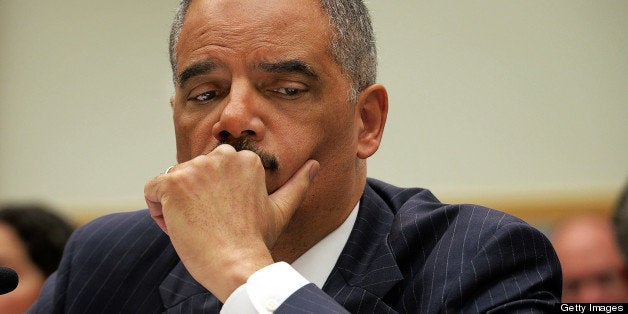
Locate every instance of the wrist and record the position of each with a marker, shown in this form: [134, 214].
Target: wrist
[234, 271]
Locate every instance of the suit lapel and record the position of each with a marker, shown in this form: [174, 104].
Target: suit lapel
[181, 293]
[366, 267]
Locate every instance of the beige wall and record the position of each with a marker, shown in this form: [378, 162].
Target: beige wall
[496, 102]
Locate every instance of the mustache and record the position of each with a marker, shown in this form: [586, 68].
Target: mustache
[269, 161]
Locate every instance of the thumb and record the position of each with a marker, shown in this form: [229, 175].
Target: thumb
[288, 198]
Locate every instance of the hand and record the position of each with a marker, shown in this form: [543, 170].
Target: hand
[219, 216]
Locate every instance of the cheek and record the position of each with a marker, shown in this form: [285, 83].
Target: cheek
[27, 291]
[338, 134]
[327, 139]
[193, 135]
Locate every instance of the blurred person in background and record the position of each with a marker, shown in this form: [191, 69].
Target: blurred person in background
[593, 268]
[32, 238]
[620, 219]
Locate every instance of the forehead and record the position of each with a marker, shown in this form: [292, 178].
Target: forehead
[293, 28]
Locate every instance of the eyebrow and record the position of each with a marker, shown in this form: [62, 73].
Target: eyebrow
[288, 66]
[196, 69]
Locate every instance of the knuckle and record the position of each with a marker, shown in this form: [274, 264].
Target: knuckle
[223, 149]
[249, 158]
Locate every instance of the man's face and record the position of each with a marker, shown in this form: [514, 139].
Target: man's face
[261, 71]
[591, 263]
[593, 277]
[14, 254]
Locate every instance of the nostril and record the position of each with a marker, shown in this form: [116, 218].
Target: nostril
[248, 133]
[223, 136]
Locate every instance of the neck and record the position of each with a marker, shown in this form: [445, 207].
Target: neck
[310, 224]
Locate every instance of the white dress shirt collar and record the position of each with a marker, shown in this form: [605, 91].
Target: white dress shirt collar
[318, 262]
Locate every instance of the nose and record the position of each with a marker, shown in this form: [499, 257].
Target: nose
[241, 115]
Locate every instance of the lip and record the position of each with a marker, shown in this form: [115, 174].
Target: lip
[269, 161]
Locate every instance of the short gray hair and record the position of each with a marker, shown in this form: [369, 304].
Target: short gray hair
[352, 43]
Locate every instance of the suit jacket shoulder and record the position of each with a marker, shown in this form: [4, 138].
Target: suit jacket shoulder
[469, 258]
[110, 265]
[410, 253]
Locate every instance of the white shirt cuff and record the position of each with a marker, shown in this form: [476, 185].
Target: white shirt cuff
[265, 290]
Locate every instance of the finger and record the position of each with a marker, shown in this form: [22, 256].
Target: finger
[152, 196]
[222, 149]
[156, 213]
[290, 195]
[169, 168]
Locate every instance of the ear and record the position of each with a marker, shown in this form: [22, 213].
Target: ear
[624, 272]
[172, 102]
[373, 110]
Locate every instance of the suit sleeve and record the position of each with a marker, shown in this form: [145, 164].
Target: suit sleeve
[310, 299]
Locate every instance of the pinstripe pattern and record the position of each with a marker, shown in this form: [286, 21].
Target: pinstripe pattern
[406, 253]
[410, 253]
[112, 265]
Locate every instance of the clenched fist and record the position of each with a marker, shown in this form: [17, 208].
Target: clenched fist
[219, 216]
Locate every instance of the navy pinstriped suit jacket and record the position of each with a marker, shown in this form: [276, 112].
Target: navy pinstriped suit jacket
[407, 253]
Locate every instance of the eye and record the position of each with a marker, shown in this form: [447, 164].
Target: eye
[204, 97]
[288, 92]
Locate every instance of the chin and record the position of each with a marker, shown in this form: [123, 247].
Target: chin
[273, 181]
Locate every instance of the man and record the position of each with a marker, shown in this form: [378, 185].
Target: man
[593, 268]
[276, 110]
